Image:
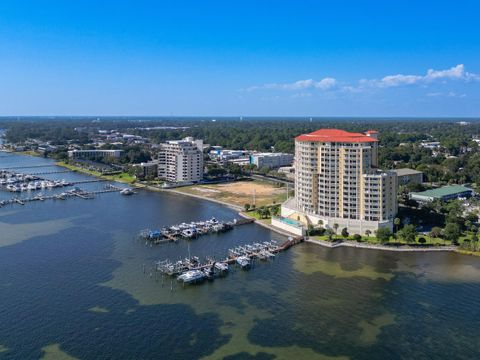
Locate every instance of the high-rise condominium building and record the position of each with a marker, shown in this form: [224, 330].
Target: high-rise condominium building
[337, 182]
[181, 160]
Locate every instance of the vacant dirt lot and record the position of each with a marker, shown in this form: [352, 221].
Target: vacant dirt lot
[241, 192]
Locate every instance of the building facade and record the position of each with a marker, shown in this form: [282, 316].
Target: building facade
[94, 154]
[271, 160]
[337, 182]
[181, 161]
[409, 176]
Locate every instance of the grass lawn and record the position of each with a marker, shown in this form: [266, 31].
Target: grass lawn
[122, 177]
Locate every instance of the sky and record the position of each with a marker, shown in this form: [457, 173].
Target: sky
[240, 58]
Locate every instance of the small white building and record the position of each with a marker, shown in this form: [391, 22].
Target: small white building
[271, 160]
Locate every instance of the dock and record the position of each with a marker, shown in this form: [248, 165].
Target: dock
[190, 230]
[83, 194]
[244, 256]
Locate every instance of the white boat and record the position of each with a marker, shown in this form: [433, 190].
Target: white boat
[127, 191]
[191, 276]
[188, 233]
[244, 262]
[223, 267]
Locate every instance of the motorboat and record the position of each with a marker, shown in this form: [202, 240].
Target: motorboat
[127, 191]
[192, 276]
[189, 233]
[209, 272]
[244, 262]
[222, 267]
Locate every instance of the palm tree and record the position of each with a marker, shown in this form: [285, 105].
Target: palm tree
[368, 233]
[335, 228]
[397, 223]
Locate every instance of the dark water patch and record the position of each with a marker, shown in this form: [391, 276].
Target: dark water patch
[247, 356]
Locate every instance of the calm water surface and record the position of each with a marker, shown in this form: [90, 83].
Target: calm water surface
[72, 286]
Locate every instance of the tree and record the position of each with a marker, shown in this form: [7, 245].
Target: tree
[335, 228]
[329, 233]
[397, 223]
[320, 222]
[247, 207]
[436, 232]
[345, 232]
[408, 233]
[357, 237]
[383, 235]
[275, 210]
[368, 233]
[452, 232]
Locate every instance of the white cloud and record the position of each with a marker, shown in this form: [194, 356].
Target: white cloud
[301, 95]
[455, 73]
[448, 94]
[324, 84]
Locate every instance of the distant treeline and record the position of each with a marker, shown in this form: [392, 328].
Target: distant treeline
[455, 164]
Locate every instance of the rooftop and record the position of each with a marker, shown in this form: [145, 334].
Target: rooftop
[335, 135]
[406, 171]
[443, 191]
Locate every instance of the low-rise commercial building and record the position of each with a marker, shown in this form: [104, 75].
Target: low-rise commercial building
[94, 154]
[444, 193]
[146, 169]
[409, 176]
[271, 160]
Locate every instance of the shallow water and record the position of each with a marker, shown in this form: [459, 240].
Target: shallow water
[72, 286]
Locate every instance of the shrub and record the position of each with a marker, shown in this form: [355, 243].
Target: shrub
[422, 240]
[357, 237]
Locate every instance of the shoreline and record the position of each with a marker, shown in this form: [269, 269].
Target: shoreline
[380, 247]
[280, 231]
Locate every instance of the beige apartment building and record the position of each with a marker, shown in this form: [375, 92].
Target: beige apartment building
[181, 161]
[337, 182]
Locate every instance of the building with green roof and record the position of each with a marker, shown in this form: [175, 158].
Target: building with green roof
[444, 193]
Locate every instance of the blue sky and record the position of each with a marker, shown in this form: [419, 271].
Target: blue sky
[285, 58]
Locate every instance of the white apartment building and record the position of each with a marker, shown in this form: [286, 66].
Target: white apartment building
[337, 182]
[181, 161]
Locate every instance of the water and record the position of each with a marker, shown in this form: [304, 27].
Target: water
[72, 286]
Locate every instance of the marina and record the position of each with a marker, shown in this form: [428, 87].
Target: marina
[75, 192]
[191, 270]
[190, 230]
[19, 182]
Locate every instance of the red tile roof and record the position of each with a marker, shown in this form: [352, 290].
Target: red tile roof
[335, 135]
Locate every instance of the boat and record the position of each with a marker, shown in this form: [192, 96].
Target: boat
[222, 267]
[189, 233]
[127, 191]
[191, 276]
[209, 272]
[244, 262]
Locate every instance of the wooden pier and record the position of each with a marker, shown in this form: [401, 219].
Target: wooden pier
[262, 251]
[63, 196]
